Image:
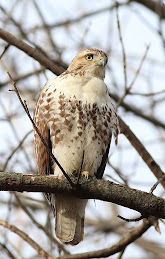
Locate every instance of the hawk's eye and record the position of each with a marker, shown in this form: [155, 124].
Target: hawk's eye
[89, 57]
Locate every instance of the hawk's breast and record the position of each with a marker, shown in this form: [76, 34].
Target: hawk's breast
[81, 119]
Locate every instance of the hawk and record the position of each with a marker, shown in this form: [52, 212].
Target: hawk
[76, 117]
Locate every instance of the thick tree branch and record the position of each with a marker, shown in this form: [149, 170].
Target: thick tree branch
[145, 203]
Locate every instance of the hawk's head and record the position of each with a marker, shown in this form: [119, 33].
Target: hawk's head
[89, 62]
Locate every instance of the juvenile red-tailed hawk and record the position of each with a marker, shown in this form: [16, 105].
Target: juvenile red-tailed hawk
[75, 115]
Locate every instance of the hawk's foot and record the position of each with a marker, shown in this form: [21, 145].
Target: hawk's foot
[85, 174]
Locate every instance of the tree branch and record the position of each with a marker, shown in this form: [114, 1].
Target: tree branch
[137, 112]
[147, 158]
[154, 6]
[26, 238]
[127, 239]
[145, 203]
[43, 60]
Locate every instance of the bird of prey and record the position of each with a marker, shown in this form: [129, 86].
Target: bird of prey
[75, 116]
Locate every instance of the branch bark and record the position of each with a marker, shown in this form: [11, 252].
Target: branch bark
[145, 203]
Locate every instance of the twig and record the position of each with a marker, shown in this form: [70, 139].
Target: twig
[147, 95]
[117, 171]
[13, 152]
[147, 158]
[5, 49]
[7, 251]
[22, 31]
[122, 45]
[13, 127]
[26, 238]
[131, 220]
[22, 77]
[127, 90]
[45, 27]
[42, 59]
[152, 5]
[39, 225]
[121, 254]
[24, 105]
[138, 112]
[156, 184]
[139, 68]
[81, 17]
[127, 239]
[119, 227]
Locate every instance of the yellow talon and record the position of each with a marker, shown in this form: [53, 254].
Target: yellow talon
[85, 174]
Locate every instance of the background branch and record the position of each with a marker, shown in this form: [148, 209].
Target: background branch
[25, 237]
[128, 238]
[42, 59]
[154, 6]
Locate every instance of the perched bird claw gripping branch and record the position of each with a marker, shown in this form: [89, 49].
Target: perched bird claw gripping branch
[76, 117]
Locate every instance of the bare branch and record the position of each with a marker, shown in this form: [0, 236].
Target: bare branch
[123, 49]
[22, 77]
[5, 49]
[156, 184]
[147, 158]
[139, 68]
[81, 17]
[127, 239]
[7, 251]
[145, 203]
[25, 237]
[154, 6]
[138, 112]
[42, 59]
[13, 152]
[39, 225]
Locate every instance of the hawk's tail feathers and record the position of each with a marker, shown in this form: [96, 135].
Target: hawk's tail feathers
[69, 229]
[69, 218]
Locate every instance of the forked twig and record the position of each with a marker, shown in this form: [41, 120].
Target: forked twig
[24, 105]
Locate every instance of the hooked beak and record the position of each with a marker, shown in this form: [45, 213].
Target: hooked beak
[103, 61]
